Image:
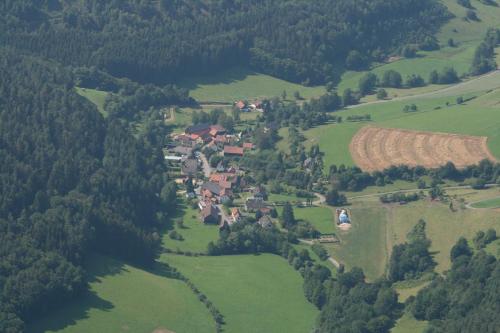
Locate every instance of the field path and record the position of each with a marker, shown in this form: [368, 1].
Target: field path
[458, 187]
[459, 88]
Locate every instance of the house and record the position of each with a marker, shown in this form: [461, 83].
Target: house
[213, 191]
[253, 204]
[217, 130]
[210, 214]
[240, 105]
[189, 167]
[265, 222]
[235, 215]
[248, 146]
[184, 140]
[233, 151]
[198, 129]
[182, 151]
[211, 187]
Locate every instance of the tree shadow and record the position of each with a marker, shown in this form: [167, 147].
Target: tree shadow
[223, 77]
[79, 308]
[73, 312]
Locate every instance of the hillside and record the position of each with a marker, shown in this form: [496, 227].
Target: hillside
[163, 41]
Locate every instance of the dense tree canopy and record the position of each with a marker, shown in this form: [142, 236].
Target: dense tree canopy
[70, 183]
[161, 41]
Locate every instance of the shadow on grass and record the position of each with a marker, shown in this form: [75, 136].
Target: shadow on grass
[75, 310]
[224, 77]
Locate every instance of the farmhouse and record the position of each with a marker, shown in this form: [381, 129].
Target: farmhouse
[216, 130]
[189, 167]
[235, 215]
[265, 222]
[210, 214]
[198, 129]
[254, 204]
[233, 151]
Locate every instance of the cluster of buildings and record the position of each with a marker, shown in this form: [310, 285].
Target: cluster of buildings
[245, 106]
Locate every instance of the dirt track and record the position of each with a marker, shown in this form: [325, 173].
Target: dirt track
[374, 148]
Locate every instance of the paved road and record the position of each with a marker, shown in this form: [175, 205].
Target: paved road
[207, 169]
[459, 88]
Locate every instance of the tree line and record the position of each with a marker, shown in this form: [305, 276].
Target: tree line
[163, 41]
[70, 183]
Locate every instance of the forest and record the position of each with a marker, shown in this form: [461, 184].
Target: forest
[70, 183]
[309, 42]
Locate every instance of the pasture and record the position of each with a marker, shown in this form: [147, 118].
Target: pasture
[196, 234]
[322, 218]
[489, 203]
[375, 148]
[243, 84]
[126, 299]
[255, 293]
[477, 117]
[97, 97]
[364, 245]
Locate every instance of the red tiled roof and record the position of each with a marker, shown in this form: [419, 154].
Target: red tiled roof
[240, 104]
[233, 150]
[248, 145]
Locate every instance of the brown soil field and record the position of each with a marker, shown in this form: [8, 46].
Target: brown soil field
[375, 148]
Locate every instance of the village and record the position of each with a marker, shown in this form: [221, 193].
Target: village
[217, 188]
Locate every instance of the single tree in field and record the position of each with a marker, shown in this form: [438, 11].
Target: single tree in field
[287, 217]
[283, 95]
[381, 94]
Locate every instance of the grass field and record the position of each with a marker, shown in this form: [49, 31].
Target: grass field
[254, 293]
[126, 299]
[320, 217]
[241, 83]
[408, 324]
[364, 245]
[196, 234]
[95, 96]
[489, 203]
[466, 34]
[479, 117]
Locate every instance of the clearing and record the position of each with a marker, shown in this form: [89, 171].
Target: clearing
[97, 97]
[375, 148]
[126, 299]
[249, 287]
[243, 84]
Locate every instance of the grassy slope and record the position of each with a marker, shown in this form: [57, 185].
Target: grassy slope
[476, 117]
[240, 83]
[95, 96]
[320, 217]
[467, 35]
[364, 245]
[489, 203]
[443, 226]
[123, 298]
[408, 324]
[196, 234]
[254, 293]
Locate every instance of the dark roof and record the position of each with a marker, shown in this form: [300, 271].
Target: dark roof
[189, 167]
[212, 187]
[198, 128]
[210, 211]
[255, 204]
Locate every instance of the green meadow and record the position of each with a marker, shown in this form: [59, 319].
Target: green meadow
[478, 116]
[259, 293]
[364, 245]
[241, 83]
[408, 324]
[196, 234]
[489, 203]
[123, 298]
[97, 97]
[322, 218]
